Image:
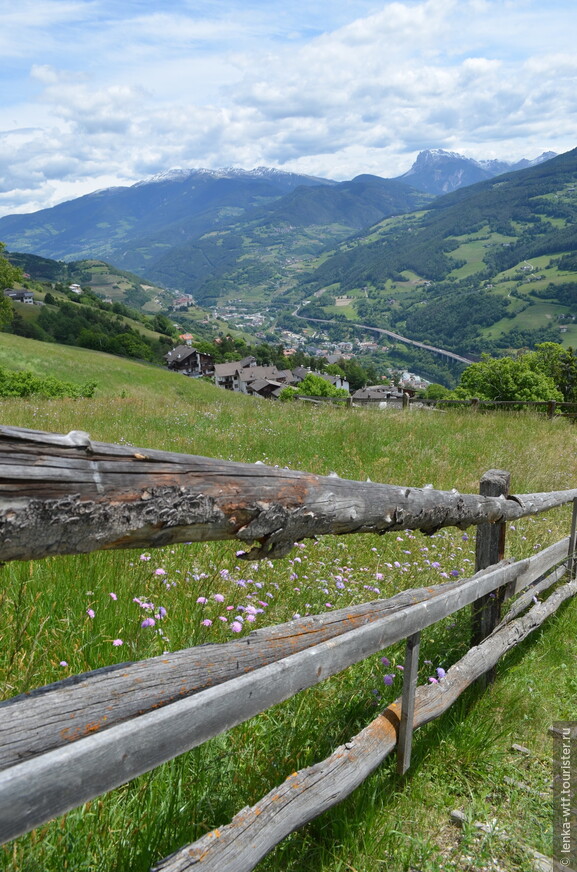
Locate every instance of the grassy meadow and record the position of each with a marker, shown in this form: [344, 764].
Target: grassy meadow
[62, 616]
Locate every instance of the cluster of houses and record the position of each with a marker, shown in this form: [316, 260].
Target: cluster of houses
[248, 377]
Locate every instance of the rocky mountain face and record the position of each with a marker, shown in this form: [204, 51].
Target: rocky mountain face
[438, 172]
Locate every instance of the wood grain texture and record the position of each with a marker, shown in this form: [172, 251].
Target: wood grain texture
[109, 756]
[66, 494]
[253, 832]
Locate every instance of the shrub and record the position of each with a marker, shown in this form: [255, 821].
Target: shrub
[26, 384]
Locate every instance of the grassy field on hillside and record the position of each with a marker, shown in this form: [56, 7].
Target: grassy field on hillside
[62, 616]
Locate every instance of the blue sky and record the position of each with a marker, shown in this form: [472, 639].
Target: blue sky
[107, 92]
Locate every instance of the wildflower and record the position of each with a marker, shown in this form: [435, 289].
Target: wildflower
[145, 556]
[90, 613]
[63, 663]
[236, 626]
[218, 598]
[162, 613]
[202, 600]
[435, 564]
[160, 571]
[113, 596]
[388, 679]
[385, 661]
[401, 668]
[207, 622]
[148, 622]
[455, 573]
[117, 642]
[440, 672]
[433, 680]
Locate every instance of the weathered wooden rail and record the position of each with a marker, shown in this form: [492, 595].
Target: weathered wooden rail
[84, 736]
[552, 408]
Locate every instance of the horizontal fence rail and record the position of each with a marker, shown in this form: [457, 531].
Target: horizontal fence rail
[70, 495]
[253, 832]
[108, 757]
[78, 738]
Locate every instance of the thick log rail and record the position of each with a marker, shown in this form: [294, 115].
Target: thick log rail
[68, 495]
[63, 494]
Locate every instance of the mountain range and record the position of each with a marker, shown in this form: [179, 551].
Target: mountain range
[489, 265]
[138, 227]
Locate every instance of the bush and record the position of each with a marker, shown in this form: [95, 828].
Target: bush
[26, 384]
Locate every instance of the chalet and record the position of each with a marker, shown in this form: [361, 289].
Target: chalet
[249, 374]
[226, 375]
[189, 361]
[262, 387]
[378, 392]
[20, 296]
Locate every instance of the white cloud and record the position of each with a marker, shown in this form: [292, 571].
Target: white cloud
[359, 86]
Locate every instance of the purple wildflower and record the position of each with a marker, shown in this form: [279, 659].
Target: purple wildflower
[388, 679]
[236, 626]
[202, 600]
[117, 642]
[90, 613]
[440, 672]
[207, 622]
[218, 598]
[148, 622]
[113, 596]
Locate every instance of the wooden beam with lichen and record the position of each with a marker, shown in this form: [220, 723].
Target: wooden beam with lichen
[67, 494]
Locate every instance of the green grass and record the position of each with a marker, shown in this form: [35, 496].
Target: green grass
[459, 761]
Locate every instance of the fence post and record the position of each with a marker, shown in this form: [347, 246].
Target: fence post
[406, 402]
[572, 562]
[551, 406]
[490, 549]
[475, 404]
[410, 675]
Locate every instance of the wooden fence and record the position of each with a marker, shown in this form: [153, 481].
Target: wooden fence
[552, 408]
[69, 742]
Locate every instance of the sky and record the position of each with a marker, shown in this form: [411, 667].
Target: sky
[97, 93]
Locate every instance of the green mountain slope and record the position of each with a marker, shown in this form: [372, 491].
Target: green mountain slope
[267, 251]
[488, 266]
[177, 205]
[106, 280]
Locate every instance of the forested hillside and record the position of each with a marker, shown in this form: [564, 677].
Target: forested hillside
[489, 266]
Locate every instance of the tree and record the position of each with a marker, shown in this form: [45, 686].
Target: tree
[6, 310]
[313, 386]
[507, 378]
[9, 276]
[560, 364]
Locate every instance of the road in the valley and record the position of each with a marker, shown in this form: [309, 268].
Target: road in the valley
[442, 351]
